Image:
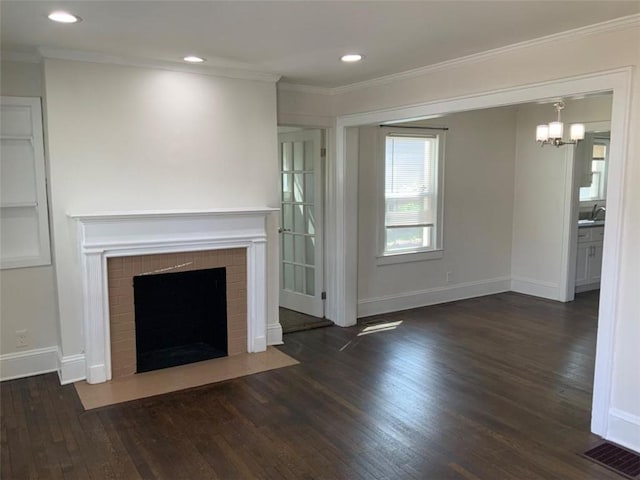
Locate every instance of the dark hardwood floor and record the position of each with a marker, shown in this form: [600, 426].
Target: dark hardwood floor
[491, 388]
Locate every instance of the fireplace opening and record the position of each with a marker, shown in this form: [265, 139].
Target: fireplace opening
[180, 318]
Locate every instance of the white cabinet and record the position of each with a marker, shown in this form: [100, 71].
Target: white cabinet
[589, 258]
[582, 263]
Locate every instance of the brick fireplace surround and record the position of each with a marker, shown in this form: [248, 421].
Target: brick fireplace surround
[114, 247]
[120, 273]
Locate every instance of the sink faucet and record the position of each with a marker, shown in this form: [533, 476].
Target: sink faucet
[596, 211]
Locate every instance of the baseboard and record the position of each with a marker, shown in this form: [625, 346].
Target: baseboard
[432, 296]
[28, 363]
[274, 334]
[537, 288]
[624, 429]
[71, 368]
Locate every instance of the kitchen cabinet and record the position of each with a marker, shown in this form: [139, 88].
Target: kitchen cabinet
[589, 258]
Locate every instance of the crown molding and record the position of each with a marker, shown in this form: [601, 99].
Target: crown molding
[608, 26]
[22, 57]
[216, 71]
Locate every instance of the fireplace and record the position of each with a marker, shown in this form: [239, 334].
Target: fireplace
[180, 318]
[115, 247]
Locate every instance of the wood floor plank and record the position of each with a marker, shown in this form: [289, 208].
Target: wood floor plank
[491, 388]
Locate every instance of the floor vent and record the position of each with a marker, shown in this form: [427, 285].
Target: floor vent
[616, 458]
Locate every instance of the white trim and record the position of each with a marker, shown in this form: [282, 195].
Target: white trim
[624, 429]
[342, 235]
[28, 363]
[537, 288]
[71, 368]
[345, 273]
[237, 72]
[612, 248]
[103, 235]
[147, 214]
[431, 296]
[410, 257]
[566, 287]
[274, 334]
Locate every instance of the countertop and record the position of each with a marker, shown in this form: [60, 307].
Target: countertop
[590, 223]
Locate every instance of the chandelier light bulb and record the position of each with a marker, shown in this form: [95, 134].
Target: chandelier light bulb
[577, 131]
[542, 133]
[556, 129]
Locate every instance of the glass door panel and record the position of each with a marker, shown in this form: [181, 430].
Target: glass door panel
[300, 174]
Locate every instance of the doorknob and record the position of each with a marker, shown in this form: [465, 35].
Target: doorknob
[280, 230]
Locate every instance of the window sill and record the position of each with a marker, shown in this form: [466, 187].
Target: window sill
[409, 257]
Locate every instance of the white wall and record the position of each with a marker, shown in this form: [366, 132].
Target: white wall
[300, 108]
[539, 197]
[478, 188]
[127, 138]
[28, 295]
[586, 52]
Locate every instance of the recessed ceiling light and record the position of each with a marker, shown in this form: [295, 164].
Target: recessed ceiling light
[193, 59]
[351, 57]
[63, 17]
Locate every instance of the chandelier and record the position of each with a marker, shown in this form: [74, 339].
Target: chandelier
[551, 134]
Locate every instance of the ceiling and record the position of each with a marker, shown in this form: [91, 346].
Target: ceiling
[300, 40]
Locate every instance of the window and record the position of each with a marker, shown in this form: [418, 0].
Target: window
[596, 190]
[24, 228]
[412, 200]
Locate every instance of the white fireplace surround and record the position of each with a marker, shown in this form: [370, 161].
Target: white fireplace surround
[117, 234]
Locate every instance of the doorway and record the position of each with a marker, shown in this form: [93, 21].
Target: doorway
[301, 154]
[591, 161]
[343, 183]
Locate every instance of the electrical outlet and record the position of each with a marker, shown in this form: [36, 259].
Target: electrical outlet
[449, 277]
[22, 338]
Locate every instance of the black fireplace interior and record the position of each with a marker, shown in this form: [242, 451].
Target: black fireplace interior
[180, 318]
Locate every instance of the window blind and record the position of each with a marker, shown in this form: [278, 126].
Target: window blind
[410, 176]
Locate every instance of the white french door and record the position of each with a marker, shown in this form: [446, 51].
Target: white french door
[301, 275]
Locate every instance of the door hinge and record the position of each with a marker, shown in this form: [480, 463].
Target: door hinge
[323, 295]
[323, 152]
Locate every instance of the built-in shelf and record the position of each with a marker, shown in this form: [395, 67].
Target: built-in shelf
[17, 137]
[19, 205]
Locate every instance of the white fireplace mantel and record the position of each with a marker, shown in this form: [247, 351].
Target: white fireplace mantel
[117, 234]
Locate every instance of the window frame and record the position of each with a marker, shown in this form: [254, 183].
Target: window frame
[420, 254]
[602, 194]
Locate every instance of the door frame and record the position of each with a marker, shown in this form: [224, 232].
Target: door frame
[341, 230]
[572, 209]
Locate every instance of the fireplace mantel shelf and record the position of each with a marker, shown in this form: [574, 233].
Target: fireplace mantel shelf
[139, 214]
